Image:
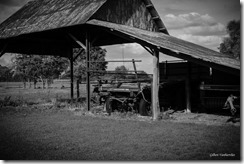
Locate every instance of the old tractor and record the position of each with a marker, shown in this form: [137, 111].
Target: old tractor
[125, 96]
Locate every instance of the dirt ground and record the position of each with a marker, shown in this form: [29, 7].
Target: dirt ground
[207, 119]
[180, 117]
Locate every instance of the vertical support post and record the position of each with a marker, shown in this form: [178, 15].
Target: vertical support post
[71, 75]
[155, 85]
[88, 96]
[202, 95]
[188, 88]
[78, 88]
[138, 83]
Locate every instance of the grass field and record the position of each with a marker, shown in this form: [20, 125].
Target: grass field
[61, 135]
[39, 132]
[31, 95]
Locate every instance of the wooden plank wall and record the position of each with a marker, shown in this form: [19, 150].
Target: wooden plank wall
[179, 70]
[127, 12]
[225, 78]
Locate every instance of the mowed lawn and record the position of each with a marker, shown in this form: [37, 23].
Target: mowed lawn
[62, 135]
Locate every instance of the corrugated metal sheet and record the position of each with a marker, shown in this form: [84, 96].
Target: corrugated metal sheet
[173, 44]
[41, 15]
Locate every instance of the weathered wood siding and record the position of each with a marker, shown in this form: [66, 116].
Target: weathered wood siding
[126, 12]
[172, 71]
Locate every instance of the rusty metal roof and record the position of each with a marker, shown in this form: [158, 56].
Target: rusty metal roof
[42, 15]
[171, 45]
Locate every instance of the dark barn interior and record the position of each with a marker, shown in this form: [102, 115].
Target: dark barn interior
[209, 88]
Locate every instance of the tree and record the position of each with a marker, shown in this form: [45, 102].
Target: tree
[21, 67]
[34, 67]
[143, 75]
[121, 72]
[5, 74]
[96, 54]
[231, 44]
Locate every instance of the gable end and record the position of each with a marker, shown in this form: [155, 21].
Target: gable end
[127, 12]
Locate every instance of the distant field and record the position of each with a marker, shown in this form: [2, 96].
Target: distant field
[17, 91]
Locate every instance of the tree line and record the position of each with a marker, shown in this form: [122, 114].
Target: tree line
[38, 68]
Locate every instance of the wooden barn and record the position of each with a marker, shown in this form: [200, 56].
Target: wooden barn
[55, 27]
[208, 88]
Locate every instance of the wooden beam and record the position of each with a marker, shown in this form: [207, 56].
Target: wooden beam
[78, 88]
[71, 74]
[149, 6]
[3, 50]
[77, 41]
[2, 53]
[78, 54]
[115, 72]
[115, 61]
[155, 86]
[155, 18]
[138, 83]
[88, 96]
[147, 49]
[188, 88]
[162, 29]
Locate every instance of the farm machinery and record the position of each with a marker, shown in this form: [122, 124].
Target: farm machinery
[124, 96]
[135, 95]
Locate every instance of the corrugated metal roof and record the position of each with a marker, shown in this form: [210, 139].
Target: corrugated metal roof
[41, 15]
[182, 48]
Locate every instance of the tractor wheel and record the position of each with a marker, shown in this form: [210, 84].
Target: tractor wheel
[108, 106]
[145, 108]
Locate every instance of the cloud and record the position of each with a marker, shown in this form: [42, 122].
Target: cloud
[13, 2]
[133, 48]
[8, 7]
[211, 42]
[6, 11]
[3, 62]
[200, 29]
[188, 20]
[194, 23]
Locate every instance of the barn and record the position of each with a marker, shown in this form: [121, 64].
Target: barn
[55, 27]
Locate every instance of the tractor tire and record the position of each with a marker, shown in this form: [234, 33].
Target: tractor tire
[108, 106]
[144, 108]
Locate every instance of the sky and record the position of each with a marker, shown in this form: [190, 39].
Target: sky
[199, 21]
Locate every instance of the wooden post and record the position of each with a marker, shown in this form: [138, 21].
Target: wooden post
[71, 75]
[155, 85]
[138, 83]
[78, 88]
[188, 88]
[88, 96]
[202, 95]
